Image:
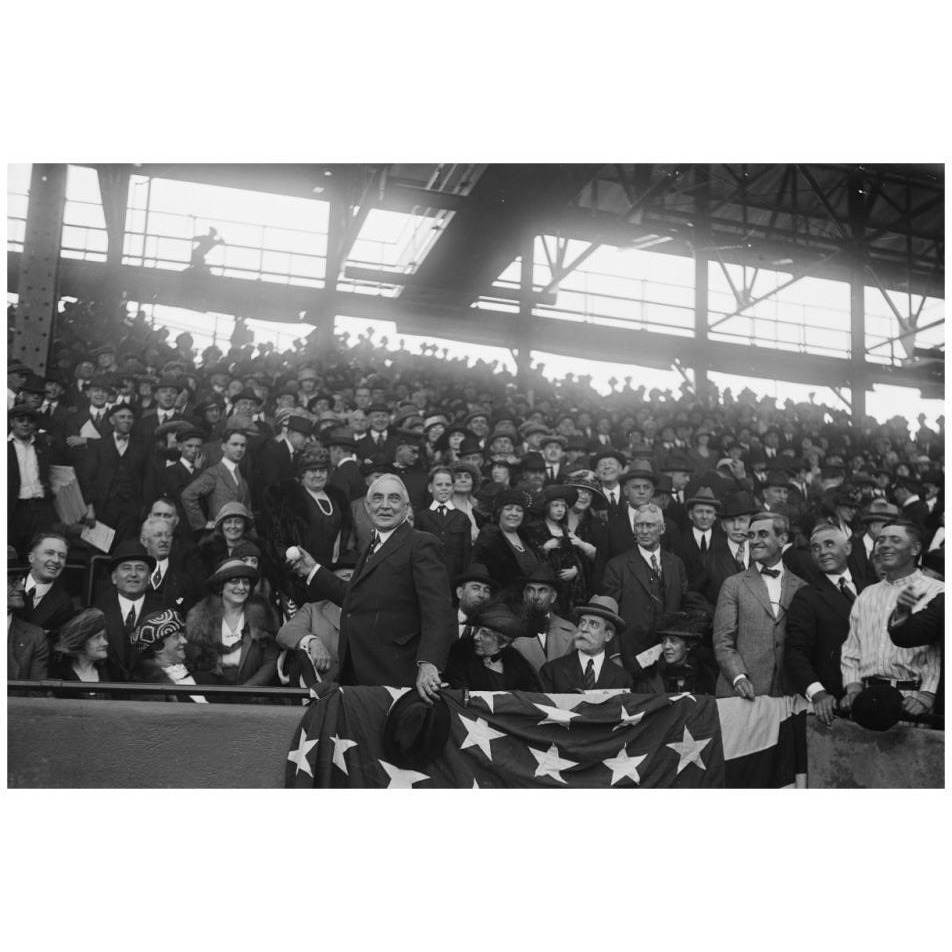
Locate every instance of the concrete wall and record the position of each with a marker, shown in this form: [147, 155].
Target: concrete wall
[74, 743]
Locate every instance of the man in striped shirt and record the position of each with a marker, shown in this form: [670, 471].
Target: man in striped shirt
[868, 655]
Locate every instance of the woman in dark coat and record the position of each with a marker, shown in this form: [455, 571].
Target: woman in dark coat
[549, 536]
[586, 530]
[503, 547]
[231, 632]
[486, 661]
[80, 652]
[233, 526]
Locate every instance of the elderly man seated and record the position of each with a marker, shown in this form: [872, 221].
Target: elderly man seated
[589, 667]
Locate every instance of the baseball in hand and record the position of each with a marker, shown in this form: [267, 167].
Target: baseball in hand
[293, 553]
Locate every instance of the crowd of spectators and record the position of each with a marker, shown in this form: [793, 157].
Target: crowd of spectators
[699, 541]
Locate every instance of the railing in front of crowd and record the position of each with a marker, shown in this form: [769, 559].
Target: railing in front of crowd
[128, 691]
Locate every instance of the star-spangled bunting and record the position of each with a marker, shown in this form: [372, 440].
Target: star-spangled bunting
[678, 697]
[479, 734]
[568, 702]
[627, 720]
[341, 746]
[556, 715]
[487, 697]
[396, 693]
[623, 766]
[550, 764]
[299, 757]
[689, 750]
[401, 779]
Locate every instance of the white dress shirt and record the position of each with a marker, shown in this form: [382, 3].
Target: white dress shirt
[597, 661]
[30, 485]
[774, 586]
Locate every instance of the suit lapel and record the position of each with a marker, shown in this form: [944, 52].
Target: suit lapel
[833, 597]
[758, 588]
[396, 541]
[639, 569]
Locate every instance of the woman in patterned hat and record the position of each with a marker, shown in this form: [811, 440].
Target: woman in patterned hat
[231, 632]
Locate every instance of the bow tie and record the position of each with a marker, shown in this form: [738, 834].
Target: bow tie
[773, 573]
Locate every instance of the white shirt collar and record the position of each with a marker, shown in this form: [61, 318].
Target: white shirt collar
[699, 534]
[125, 605]
[835, 579]
[646, 555]
[599, 660]
[230, 466]
[39, 589]
[434, 506]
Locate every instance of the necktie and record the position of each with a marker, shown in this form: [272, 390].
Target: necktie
[740, 556]
[374, 543]
[236, 478]
[157, 578]
[847, 591]
[130, 621]
[654, 565]
[772, 573]
[378, 438]
[442, 510]
[467, 631]
[97, 418]
[703, 545]
[28, 599]
[588, 682]
[551, 472]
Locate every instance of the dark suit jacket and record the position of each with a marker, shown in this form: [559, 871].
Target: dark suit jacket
[347, 478]
[172, 480]
[102, 462]
[621, 539]
[565, 674]
[454, 530]
[55, 608]
[818, 622]
[121, 654]
[627, 581]
[180, 589]
[395, 611]
[922, 628]
[465, 669]
[860, 564]
[368, 449]
[492, 550]
[28, 652]
[748, 639]
[276, 463]
[721, 567]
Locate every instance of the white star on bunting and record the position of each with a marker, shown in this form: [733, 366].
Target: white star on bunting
[299, 757]
[396, 694]
[487, 697]
[628, 720]
[341, 746]
[677, 697]
[476, 785]
[689, 750]
[479, 734]
[556, 715]
[550, 763]
[624, 766]
[401, 779]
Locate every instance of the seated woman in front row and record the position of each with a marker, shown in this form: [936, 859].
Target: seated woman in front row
[486, 661]
[81, 652]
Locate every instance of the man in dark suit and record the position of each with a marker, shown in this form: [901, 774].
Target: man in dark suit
[446, 522]
[908, 493]
[647, 583]
[28, 651]
[46, 601]
[861, 563]
[166, 393]
[406, 465]
[277, 456]
[378, 442]
[751, 616]
[397, 618]
[733, 556]
[176, 587]
[29, 506]
[638, 485]
[127, 601]
[117, 476]
[588, 667]
[553, 636]
[173, 479]
[345, 474]
[819, 621]
[702, 537]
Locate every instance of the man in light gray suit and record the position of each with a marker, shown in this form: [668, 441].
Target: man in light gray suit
[218, 484]
[751, 617]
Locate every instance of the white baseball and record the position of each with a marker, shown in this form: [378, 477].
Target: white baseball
[293, 553]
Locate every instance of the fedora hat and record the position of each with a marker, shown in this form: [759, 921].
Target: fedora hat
[703, 496]
[609, 452]
[639, 469]
[469, 445]
[415, 732]
[131, 551]
[676, 464]
[879, 511]
[475, 573]
[541, 574]
[739, 504]
[342, 438]
[533, 461]
[603, 606]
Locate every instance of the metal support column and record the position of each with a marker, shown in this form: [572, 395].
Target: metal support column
[702, 240]
[114, 189]
[523, 332]
[38, 299]
[326, 311]
[858, 374]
